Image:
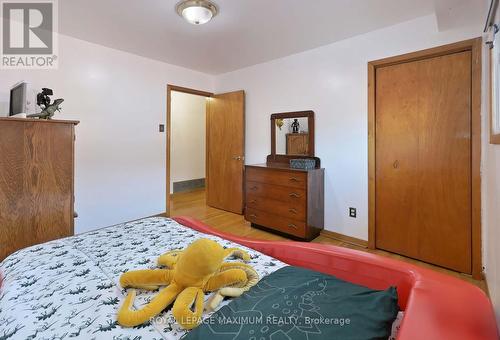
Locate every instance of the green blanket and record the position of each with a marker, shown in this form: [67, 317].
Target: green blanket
[296, 303]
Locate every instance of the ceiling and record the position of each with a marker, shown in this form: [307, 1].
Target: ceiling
[246, 32]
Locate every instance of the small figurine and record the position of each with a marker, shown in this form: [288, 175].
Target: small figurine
[48, 108]
[43, 99]
[295, 126]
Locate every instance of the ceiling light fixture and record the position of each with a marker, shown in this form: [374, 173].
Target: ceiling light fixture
[196, 12]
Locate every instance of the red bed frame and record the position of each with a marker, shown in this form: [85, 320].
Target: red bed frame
[437, 306]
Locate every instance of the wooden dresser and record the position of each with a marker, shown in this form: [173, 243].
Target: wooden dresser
[286, 200]
[36, 182]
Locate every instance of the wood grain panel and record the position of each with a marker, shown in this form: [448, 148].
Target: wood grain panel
[281, 194]
[444, 155]
[292, 209]
[476, 50]
[276, 192]
[474, 46]
[423, 159]
[371, 157]
[315, 201]
[36, 182]
[277, 177]
[48, 179]
[297, 144]
[226, 145]
[15, 230]
[287, 225]
[397, 158]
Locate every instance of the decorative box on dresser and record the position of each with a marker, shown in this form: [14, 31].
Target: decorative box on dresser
[287, 200]
[36, 182]
[280, 198]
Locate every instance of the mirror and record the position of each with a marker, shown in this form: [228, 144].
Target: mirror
[292, 136]
[292, 133]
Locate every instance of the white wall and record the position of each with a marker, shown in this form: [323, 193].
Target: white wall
[332, 81]
[491, 222]
[491, 196]
[188, 124]
[119, 99]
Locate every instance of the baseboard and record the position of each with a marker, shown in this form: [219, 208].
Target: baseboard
[344, 238]
[487, 289]
[188, 185]
[164, 214]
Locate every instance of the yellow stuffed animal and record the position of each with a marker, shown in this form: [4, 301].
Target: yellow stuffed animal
[198, 269]
[169, 259]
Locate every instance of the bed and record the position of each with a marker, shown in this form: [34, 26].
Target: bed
[69, 288]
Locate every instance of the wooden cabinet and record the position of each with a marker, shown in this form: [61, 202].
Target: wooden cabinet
[286, 200]
[297, 143]
[36, 182]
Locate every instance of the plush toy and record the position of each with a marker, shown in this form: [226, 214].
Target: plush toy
[169, 259]
[198, 269]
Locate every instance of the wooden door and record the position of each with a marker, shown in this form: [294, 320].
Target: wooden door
[423, 160]
[226, 151]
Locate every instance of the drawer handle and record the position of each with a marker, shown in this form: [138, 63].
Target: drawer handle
[294, 179]
[254, 188]
[252, 215]
[291, 225]
[253, 201]
[294, 194]
[292, 210]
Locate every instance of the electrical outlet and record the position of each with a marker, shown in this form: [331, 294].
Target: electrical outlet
[352, 212]
[162, 128]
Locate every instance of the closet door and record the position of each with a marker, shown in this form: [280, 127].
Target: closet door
[423, 160]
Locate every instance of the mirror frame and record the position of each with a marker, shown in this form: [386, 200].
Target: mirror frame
[273, 157]
[297, 114]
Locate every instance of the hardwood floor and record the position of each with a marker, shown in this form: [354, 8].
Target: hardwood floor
[193, 204]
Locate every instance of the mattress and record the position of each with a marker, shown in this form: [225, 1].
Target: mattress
[69, 288]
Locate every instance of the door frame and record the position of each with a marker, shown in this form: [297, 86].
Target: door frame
[475, 47]
[168, 131]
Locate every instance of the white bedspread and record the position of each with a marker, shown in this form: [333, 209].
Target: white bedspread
[69, 288]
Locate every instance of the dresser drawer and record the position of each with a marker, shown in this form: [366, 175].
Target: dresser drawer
[283, 224]
[294, 179]
[291, 209]
[276, 192]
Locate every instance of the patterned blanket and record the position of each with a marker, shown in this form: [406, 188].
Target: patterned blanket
[69, 288]
[301, 304]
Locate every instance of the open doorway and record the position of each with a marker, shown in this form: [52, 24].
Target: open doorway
[186, 141]
[205, 149]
